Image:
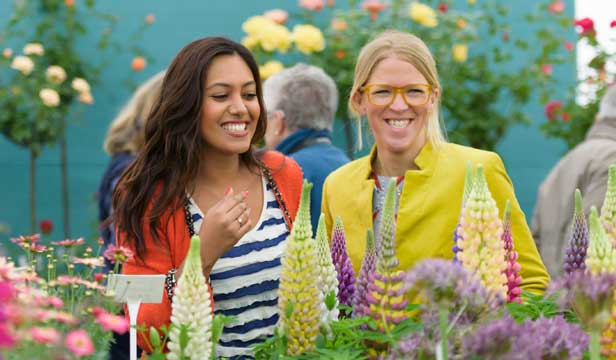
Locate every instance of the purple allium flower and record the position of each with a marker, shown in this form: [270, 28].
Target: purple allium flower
[342, 263]
[492, 340]
[541, 339]
[442, 282]
[575, 255]
[589, 295]
[512, 272]
[551, 339]
[361, 307]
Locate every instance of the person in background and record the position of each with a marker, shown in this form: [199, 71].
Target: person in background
[124, 139]
[199, 174]
[396, 88]
[584, 167]
[301, 105]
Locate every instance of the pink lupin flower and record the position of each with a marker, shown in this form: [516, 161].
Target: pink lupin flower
[512, 272]
[343, 265]
[79, 343]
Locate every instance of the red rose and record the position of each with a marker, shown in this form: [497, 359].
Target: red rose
[552, 108]
[586, 25]
[613, 24]
[442, 7]
[46, 226]
[566, 117]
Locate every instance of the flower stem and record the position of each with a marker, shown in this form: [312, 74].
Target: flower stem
[594, 347]
[442, 322]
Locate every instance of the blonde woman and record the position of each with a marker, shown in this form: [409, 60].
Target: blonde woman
[124, 139]
[396, 88]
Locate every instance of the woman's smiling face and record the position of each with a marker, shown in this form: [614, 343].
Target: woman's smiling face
[398, 128]
[231, 108]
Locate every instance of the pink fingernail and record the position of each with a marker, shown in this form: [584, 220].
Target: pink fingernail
[245, 194]
[229, 191]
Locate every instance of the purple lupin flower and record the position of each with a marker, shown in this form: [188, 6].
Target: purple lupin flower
[575, 255]
[361, 307]
[468, 186]
[342, 263]
[512, 272]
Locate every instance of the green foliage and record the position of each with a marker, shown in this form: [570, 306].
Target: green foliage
[482, 93]
[347, 338]
[533, 306]
[61, 30]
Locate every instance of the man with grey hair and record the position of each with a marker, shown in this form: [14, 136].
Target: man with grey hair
[584, 167]
[301, 104]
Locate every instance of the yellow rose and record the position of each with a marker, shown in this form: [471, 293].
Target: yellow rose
[460, 52]
[55, 74]
[472, 2]
[270, 68]
[308, 38]
[50, 97]
[23, 64]
[275, 37]
[423, 14]
[254, 25]
[250, 42]
[34, 49]
[80, 85]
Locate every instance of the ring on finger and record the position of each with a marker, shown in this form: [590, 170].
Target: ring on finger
[239, 220]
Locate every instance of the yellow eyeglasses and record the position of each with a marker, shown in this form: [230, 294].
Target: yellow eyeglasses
[384, 95]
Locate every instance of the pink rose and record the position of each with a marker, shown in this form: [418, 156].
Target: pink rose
[586, 26]
[556, 7]
[546, 69]
[277, 15]
[312, 5]
[552, 108]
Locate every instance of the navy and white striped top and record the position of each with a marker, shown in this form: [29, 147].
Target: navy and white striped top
[245, 280]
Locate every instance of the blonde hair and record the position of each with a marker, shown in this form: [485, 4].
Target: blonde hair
[127, 131]
[406, 47]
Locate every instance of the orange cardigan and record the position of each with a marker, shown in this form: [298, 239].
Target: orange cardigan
[174, 239]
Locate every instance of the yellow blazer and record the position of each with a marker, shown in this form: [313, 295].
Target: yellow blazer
[429, 207]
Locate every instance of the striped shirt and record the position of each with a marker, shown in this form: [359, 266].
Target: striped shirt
[245, 280]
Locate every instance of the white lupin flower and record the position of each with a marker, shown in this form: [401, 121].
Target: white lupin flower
[191, 308]
[80, 85]
[34, 49]
[50, 97]
[55, 74]
[23, 64]
[328, 281]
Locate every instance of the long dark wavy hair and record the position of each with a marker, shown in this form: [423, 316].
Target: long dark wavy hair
[169, 160]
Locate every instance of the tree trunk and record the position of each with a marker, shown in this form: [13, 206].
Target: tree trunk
[64, 181]
[33, 156]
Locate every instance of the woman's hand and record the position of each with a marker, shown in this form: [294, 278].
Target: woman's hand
[223, 226]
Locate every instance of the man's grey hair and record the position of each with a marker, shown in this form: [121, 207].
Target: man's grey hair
[607, 108]
[306, 95]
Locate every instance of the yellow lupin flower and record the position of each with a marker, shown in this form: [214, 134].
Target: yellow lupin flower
[298, 292]
[308, 38]
[460, 52]
[480, 238]
[423, 14]
[270, 68]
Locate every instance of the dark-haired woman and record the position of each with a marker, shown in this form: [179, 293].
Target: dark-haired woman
[198, 173]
